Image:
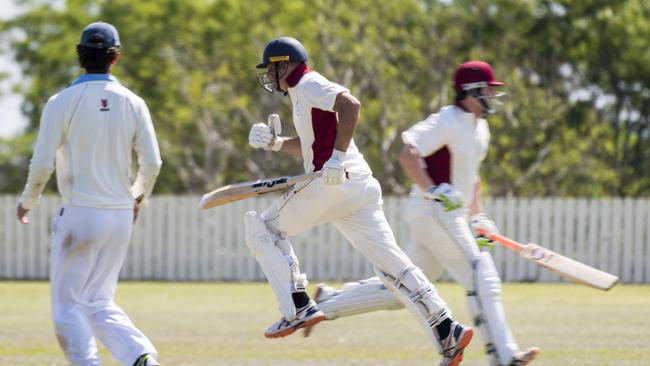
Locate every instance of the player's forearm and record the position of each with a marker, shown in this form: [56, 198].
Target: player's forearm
[145, 181]
[476, 206]
[149, 160]
[291, 146]
[36, 181]
[42, 164]
[409, 160]
[348, 108]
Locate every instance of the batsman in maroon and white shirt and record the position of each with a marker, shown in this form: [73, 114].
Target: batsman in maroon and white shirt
[325, 116]
[442, 156]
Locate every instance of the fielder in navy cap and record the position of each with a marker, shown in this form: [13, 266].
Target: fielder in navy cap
[100, 35]
[98, 48]
[102, 193]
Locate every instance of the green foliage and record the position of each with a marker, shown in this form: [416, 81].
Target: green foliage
[14, 157]
[575, 121]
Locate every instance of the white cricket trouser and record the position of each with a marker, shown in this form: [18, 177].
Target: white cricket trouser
[88, 248]
[355, 208]
[444, 241]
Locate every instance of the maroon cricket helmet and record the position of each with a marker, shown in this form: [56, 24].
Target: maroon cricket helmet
[474, 74]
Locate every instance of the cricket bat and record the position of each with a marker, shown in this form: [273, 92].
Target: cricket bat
[240, 191]
[566, 267]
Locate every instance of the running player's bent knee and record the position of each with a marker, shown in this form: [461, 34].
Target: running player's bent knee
[258, 236]
[276, 258]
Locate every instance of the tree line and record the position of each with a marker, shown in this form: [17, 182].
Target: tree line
[574, 123]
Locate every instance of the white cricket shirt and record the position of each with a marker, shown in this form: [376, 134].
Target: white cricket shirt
[313, 97]
[452, 144]
[91, 129]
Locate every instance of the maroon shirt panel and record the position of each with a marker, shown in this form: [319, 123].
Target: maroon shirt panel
[439, 166]
[324, 125]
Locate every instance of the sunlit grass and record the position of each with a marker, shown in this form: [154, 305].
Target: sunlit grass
[223, 324]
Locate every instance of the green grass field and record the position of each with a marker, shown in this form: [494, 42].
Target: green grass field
[222, 324]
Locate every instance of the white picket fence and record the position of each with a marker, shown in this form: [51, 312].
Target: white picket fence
[175, 241]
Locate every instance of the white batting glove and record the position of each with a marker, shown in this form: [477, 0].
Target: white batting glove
[261, 137]
[446, 194]
[333, 170]
[479, 221]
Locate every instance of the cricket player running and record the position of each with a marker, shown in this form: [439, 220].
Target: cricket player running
[325, 116]
[443, 153]
[92, 128]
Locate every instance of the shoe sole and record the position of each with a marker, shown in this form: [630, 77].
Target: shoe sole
[532, 355]
[307, 323]
[464, 342]
[307, 328]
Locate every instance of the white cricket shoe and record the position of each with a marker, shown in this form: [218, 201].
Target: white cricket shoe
[455, 343]
[523, 358]
[307, 316]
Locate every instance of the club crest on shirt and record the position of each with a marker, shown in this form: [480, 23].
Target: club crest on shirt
[104, 107]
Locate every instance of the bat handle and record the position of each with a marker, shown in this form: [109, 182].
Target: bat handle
[275, 124]
[507, 242]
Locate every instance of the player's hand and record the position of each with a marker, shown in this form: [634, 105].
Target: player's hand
[21, 213]
[484, 242]
[480, 222]
[446, 194]
[136, 207]
[261, 136]
[333, 170]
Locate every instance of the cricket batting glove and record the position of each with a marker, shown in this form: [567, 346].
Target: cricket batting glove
[446, 194]
[261, 136]
[333, 170]
[480, 222]
[484, 242]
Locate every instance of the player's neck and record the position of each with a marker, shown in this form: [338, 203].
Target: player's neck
[468, 109]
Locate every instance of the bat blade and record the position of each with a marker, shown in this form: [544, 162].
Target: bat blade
[568, 268]
[240, 191]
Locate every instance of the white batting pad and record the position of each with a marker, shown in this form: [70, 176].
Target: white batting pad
[359, 298]
[487, 310]
[261, 243]
[414, 291]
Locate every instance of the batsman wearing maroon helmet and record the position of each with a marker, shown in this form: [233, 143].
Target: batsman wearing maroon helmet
[442, 156]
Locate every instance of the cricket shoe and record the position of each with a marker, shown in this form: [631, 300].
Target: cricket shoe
[523, 358]
[455, 343]
[322, 293]
[146, 360]
[307, 316]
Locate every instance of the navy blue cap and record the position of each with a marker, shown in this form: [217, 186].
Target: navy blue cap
[100, 35]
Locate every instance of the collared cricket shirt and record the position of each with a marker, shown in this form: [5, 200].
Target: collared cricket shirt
[452, 144]
[313, 97]
[91, 129]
